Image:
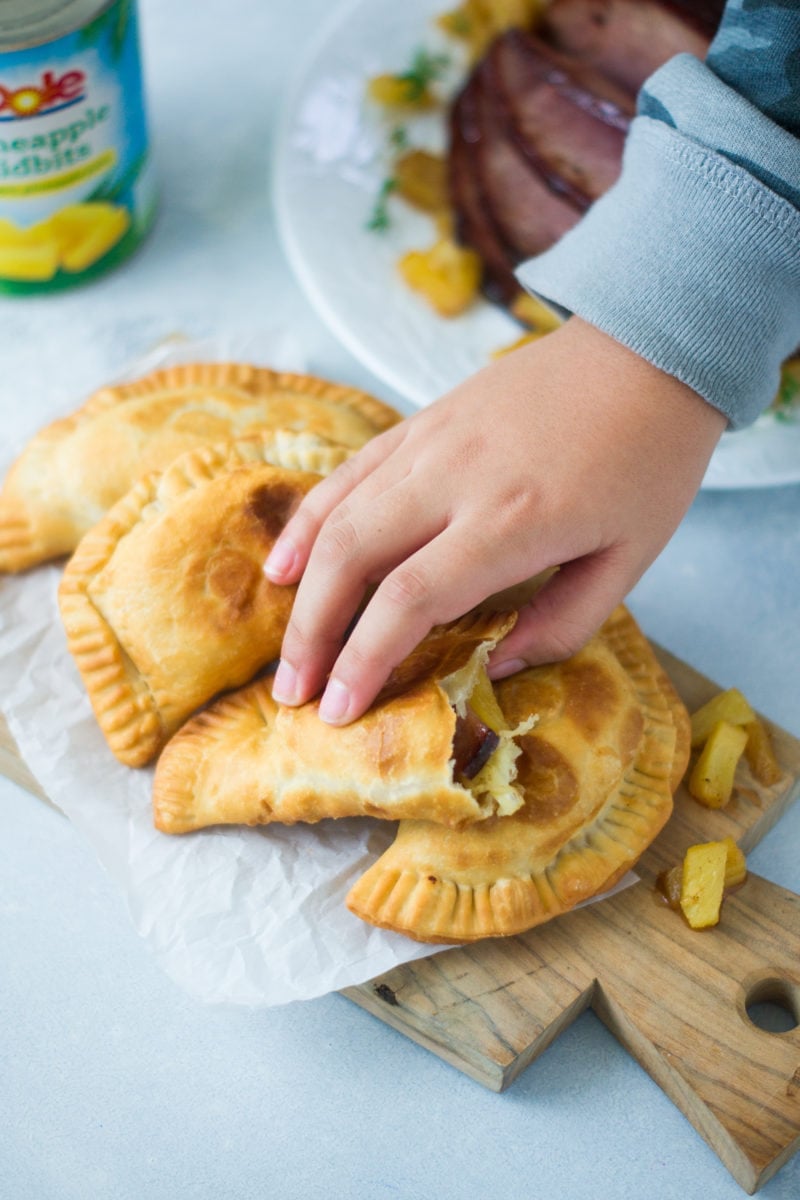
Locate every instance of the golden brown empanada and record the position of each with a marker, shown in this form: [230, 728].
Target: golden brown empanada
[598, 772]
[71, 472]
[165, 602]
[248, 760]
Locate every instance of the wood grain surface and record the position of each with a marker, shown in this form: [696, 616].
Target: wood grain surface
[677, 999]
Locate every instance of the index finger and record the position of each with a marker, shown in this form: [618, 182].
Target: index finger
[289, 555]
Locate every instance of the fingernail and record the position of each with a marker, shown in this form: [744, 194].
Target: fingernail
[504, 669]
[280, 560]
[284, 685]
[334, 703]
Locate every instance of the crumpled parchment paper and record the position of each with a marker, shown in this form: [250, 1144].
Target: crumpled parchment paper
[243, 916]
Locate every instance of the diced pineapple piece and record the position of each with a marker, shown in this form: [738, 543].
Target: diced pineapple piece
[525, 340]
[421, 179]
[711, 779]
[703, 883]
[730, 706]
[533, 312]
[448, 275]
[735, 864]
[8, 231]
[760, 754]
[483, 703]
[88, 231]
[669, 884]
[400, 91]
[478, 22]
[28, 254]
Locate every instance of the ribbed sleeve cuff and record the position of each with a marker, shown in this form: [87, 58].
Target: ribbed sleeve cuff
[690, 262]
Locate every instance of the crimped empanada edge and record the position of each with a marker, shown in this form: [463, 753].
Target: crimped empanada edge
[255, 380]
[121, 700]
[431, 909]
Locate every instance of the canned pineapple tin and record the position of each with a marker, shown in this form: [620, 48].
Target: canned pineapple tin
[76, 190]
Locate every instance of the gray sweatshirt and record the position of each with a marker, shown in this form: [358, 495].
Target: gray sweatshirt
[692, 259]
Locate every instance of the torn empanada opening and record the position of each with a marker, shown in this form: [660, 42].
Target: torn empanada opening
[485, 751]
[435, 746]
[597, 776]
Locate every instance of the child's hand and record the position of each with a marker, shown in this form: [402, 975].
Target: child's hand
[571, 451]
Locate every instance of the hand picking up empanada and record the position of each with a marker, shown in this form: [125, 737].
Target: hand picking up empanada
[72, 471]
[165, 602]
[597, 772]
[434, 744]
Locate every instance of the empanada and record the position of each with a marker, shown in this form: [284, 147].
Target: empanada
[165, 602]
[418, 751]
[597, 771]
[71, 472]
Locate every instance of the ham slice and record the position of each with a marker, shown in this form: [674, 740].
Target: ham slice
[567, 120]
[528, 211]
[475, 225]
[537, 131]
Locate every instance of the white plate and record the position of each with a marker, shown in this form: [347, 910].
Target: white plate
[332, 154]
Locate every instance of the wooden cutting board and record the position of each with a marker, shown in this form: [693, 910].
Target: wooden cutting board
[676, 998]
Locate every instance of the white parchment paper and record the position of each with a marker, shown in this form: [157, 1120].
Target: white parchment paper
[244, 916]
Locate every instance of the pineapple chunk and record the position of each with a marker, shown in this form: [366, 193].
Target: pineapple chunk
[400, 91]
[483, 703]
[525, 340]
[532, 312]
[729, 706]
[711, 779]
[735, 864]
[421, 179]
[88, 231]
[760, 755]
[28, 254]
[703, 883]
[447, 275]
[478, 22]
[670, 882]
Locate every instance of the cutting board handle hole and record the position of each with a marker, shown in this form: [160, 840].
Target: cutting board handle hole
[773, 1005]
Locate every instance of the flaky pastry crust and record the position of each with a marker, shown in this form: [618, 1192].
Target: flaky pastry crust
[72, 471]
[248, 760]
[165, 602]
[598, 773]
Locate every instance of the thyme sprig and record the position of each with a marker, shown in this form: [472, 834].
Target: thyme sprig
[379, 217]
[425, 69]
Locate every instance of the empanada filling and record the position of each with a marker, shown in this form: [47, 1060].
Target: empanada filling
[485, 753]
[473, 745]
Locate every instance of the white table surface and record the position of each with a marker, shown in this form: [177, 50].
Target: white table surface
[115, 1084]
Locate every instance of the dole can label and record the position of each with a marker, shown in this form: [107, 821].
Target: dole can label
[76, 186]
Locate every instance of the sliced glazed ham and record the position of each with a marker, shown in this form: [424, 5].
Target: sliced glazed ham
[566, 119]
[529, 214]
[537, 131]
[475, 225]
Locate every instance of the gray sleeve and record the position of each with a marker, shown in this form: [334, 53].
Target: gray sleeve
[692, 259]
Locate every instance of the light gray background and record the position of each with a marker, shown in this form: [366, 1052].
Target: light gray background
[113, 1084]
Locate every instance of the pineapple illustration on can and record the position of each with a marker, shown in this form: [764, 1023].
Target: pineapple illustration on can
[76, 187]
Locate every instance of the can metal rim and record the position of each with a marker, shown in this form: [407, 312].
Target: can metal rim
[20, 29]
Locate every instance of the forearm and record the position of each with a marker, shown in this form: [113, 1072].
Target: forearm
[692, 259]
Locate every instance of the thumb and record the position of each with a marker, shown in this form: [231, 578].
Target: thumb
[565, 613]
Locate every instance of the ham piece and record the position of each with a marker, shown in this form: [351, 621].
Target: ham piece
[538, 129]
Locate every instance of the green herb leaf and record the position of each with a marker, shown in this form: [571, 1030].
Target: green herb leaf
[379, 218]
[399, 138]
[425, 68]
